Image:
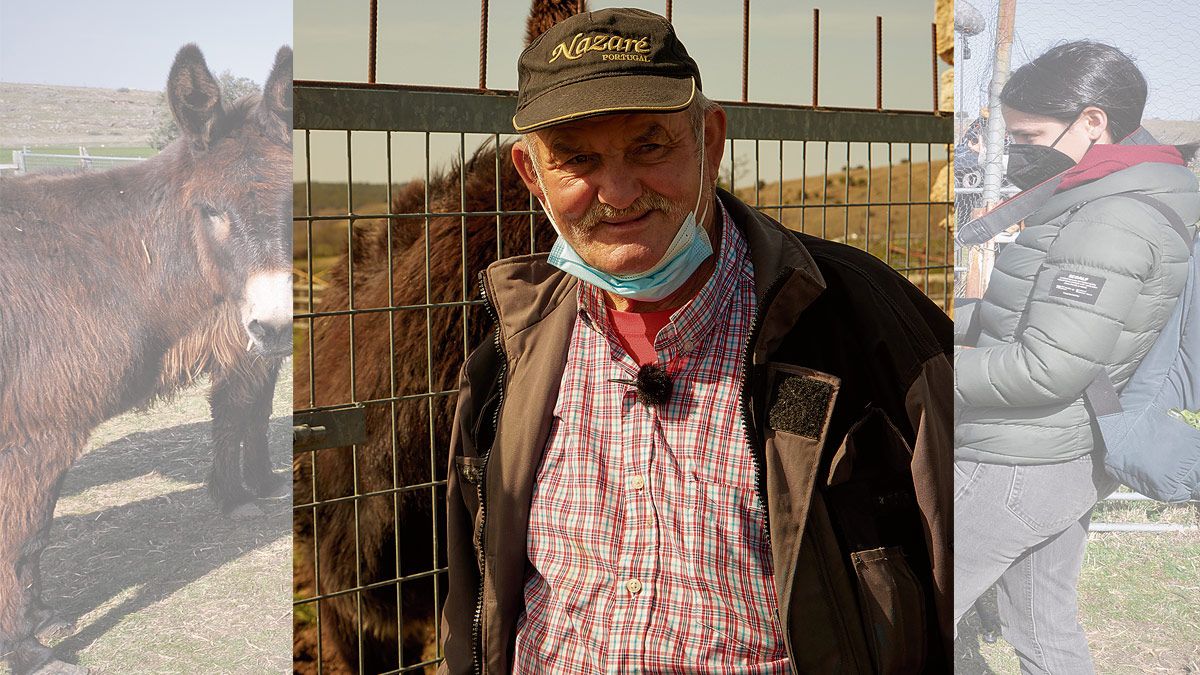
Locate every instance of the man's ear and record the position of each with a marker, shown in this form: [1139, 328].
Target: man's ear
[714, 141]
[523, 158]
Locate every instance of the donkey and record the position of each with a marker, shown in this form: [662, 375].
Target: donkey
[117, 288]
[399, 444]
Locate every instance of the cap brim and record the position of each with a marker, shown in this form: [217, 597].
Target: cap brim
[612, 95]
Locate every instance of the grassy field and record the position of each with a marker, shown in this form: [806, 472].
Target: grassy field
[94, 150]
[1139, 597]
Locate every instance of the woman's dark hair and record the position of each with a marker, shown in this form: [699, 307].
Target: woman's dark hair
[1070, 77]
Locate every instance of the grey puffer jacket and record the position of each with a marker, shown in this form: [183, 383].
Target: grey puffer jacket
[1087, 285]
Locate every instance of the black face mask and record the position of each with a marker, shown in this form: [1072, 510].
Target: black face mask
[1030, 165]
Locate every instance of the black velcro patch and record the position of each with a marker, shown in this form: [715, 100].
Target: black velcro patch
[1076, 286]
[800, 405]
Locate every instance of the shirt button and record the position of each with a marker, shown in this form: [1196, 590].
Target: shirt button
[637, 482]
[688, 345]
[633, 586]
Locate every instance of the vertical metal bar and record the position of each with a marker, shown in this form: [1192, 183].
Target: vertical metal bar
[316, 552]
[816, 60]
[933, 47]
[887, 247]
[429, 411]
[846, 200]
[309, 256]
[350, 258]
[732, 166]
[780, 202]
[928, 208]
[867, 226]
[879, 63]
[825, 194]
[745, 50]
[947, 250]
[391, 316]
[374, 39]
[462, 200]
[483, 43]
[668, 14]
[353, 388]
[803, 184]
[908, 221]
[499, 201]
[757, 176]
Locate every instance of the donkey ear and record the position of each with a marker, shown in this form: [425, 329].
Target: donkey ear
[277, 92]
[194, 96]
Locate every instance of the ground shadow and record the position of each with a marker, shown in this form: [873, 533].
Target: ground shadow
[142, 545]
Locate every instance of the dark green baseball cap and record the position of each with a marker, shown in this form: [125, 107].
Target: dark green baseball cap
[601, 63]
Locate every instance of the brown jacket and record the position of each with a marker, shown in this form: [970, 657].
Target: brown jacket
[848, 395]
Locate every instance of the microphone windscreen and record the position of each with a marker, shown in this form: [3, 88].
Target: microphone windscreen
[968, 20]
[653, 384]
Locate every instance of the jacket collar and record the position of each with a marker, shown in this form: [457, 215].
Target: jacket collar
[526, 289]
[1149, 177]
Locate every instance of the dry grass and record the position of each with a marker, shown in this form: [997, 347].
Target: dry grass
[158, 579]
[1139, 598]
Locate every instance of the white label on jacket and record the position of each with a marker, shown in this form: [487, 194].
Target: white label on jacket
[1075, 286]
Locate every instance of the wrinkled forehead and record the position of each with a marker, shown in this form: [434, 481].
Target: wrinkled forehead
[614, 130]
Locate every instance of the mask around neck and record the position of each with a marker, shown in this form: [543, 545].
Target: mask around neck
[683, 257]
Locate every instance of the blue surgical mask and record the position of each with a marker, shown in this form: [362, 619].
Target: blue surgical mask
[687, 251]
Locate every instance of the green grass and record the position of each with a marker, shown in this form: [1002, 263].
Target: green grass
[1139, 596]
[94, 150]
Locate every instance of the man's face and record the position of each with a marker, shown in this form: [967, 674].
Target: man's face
[620, 186]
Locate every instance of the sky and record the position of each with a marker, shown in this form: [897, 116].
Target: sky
[1160, 36]
[437, 43]
[131, 43]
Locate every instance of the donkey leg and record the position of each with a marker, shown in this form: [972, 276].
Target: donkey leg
[228, 430]
[256, 458]
[48, 624]
[36, 474]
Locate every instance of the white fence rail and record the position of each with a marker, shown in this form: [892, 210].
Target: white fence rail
[25, 161]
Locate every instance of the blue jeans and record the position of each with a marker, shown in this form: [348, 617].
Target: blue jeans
[1026, 528]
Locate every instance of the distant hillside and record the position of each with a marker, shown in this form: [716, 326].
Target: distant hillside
[1170, 131]
[45, 115]
[825, 212]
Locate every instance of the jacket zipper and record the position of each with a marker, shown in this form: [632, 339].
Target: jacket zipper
[758, 452]
[477, 624]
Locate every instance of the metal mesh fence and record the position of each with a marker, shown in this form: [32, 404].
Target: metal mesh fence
[387, 310]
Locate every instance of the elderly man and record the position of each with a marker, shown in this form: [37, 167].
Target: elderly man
[700, 442]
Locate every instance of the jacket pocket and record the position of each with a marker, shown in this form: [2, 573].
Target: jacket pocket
[873, 506]
[470, 475]
[893, 608]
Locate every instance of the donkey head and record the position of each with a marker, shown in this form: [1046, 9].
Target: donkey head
[238, 191]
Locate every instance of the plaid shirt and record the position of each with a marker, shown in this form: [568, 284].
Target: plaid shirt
[646, 541]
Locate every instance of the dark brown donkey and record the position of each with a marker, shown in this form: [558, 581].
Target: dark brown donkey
[357, 545]
[116, 288]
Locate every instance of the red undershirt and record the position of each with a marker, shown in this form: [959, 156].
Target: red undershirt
[636, 332]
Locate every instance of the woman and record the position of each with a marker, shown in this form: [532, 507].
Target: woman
[1084, 290]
